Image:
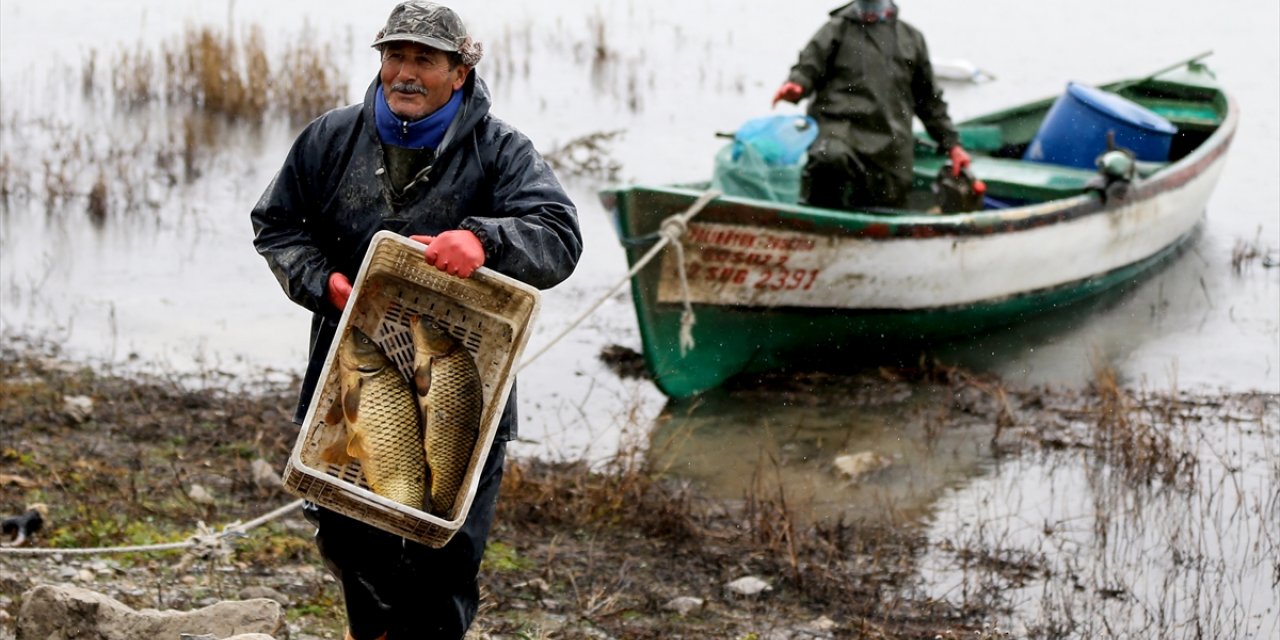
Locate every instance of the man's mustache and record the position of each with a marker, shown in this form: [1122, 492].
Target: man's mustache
[409, 87]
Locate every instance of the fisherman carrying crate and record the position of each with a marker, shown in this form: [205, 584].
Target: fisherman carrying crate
[423, 157]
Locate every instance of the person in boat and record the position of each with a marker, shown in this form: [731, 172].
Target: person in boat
[422, 156]
[866, 73]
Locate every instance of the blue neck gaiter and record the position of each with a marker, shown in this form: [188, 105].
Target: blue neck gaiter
[426, 133]
[874, 10]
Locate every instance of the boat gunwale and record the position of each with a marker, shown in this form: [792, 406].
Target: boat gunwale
[871, 225]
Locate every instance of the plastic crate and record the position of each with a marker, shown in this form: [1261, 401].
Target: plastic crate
[489, 313]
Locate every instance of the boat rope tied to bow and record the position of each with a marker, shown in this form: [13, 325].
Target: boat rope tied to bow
[673, 229]
[670, 231]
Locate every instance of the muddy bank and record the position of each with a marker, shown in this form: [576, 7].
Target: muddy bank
[620, 551]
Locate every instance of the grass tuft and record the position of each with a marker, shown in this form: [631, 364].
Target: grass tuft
[1133, 438]
[219, 74]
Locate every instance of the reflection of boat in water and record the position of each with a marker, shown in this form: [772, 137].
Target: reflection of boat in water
[776, 284]
[788, 438]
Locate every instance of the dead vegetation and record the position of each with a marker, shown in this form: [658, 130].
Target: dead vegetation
[1245, 252]
[587, 155]
[624, 543]
[1138, 439]
[578, 549]
[176, 106]
[602, 548]
[228, 75]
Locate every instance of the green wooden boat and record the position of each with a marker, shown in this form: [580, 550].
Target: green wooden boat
[771, 285]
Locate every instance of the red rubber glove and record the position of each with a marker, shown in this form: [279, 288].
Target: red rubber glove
[456, 252]
[959, 160]
[339, 290]
[789, 91]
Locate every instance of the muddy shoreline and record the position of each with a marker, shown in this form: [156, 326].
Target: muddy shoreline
[619, 551]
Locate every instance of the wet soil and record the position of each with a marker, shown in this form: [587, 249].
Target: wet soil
[577, 552]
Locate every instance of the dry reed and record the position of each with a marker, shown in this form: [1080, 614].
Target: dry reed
[307, 82]
[98, 201]
[1130, 437]
[10, 179]
[219, 74]
[1245, 252]
[89, 73]
[194, 90]
[132, 77]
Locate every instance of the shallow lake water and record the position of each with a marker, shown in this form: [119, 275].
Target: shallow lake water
[169, 281]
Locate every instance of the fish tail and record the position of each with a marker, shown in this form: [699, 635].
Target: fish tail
[334, 440]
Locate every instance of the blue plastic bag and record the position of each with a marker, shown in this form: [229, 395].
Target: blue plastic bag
[780, 140]
[740, 171]
[766, 158]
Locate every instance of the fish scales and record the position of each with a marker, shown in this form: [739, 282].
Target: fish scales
[451, 397]
[394, 464]
[381, 424]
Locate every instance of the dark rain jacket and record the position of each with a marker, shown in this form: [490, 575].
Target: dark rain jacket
[333, 194]
[865, 81]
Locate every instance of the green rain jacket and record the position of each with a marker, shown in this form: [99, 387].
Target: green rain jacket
[865, 81]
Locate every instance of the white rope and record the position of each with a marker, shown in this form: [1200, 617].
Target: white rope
[670, 231]
[236, 528]
[206, 540]
[686, 317]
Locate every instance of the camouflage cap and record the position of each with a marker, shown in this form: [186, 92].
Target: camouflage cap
[428, 23]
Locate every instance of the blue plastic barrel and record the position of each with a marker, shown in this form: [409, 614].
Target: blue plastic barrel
[1074, 133]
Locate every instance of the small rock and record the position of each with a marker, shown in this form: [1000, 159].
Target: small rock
[11, 582]
[18, 481]
[683, 605]
[264, 476]
[857, 466]
[78, 408]
[249, 593]
[200, 495]
[85, 575]
[748, 586]
[537, 584]
[56, 365]
[72, 612]
[822, 624]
